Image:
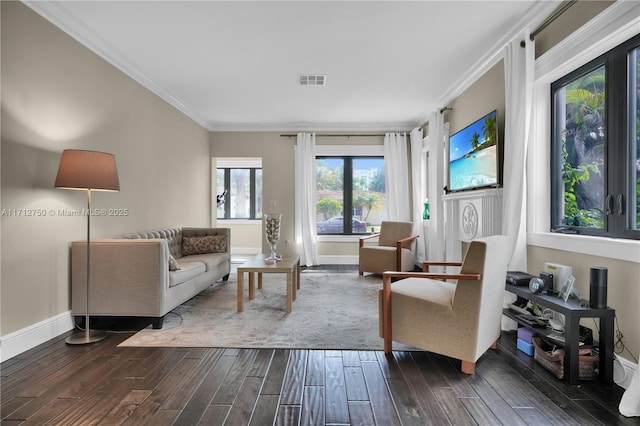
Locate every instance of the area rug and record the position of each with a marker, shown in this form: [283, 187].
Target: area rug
[332, 311]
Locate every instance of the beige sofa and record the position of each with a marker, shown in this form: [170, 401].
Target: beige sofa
[147, 274]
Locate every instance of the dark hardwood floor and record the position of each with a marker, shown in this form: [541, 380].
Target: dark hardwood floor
[60, 384]
[104, 384]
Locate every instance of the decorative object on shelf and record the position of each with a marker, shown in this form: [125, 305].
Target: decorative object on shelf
[598, 287]
[469, 221]
[90, 171]
[425, 213]
[272, 234]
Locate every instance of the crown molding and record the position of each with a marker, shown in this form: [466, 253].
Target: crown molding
[530, 20]
[314, 127]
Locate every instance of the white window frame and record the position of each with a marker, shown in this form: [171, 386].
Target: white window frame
[616, 24]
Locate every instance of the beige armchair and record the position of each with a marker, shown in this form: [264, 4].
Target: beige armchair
[459, 319]
[394, 251]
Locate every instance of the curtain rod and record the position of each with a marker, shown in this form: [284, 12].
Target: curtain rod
[289, 135]
[566, 4]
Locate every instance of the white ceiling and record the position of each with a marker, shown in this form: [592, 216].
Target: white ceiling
[233, 65]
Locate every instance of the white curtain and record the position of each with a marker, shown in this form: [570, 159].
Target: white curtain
[397, 177]
[519, 65]
[518, 68]
[418, 188]
[305, 202]
[435, 235]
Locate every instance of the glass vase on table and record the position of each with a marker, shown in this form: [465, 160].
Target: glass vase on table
[272, 234]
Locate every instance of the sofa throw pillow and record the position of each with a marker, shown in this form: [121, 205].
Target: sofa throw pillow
[173, 263]
[202, 245]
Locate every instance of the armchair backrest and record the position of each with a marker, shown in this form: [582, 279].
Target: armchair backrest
[486, 256]
[480, 302]
[390, 232]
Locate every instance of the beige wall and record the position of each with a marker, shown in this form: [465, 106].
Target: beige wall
[57, 94]
[277, 180]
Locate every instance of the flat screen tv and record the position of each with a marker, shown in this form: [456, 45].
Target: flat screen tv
[473, 156]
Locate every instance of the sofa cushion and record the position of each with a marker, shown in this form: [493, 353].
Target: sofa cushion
[211, 260]
[203, 245]
[173, 263]
[187, 271]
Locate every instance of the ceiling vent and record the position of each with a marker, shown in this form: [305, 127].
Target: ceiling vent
[312, 79]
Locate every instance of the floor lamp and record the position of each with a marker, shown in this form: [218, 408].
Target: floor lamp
[89, 171]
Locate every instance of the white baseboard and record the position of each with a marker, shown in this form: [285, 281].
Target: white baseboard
[29, 337]
[246, 250]
[338, 260]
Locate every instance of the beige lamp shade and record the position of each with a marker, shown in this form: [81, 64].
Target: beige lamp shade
[80, 169]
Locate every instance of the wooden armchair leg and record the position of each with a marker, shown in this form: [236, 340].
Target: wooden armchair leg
[494, 345]
[468, 367]
[360, 272]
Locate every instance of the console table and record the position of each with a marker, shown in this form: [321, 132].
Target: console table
[573, 310]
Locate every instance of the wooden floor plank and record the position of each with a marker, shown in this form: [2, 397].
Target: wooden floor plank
[245, 402]
[260, 363]
[384, 411]
[312, 411]
[479, 412]
[388, 365]
[190, 382]
[492, 399]
[314, 375]
[351, 358]
[266, 410]
[288, 415]
[428, 407]
[228, 390]
[336, 407]
[164, 393]
[406, 405]
[123, 410]
[361, 413]
[204, 394]
[275, 374]
[293, 386]
[356, 386]
[453, 407]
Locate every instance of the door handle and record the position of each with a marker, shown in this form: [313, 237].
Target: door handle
[607, 204]
[619, 204]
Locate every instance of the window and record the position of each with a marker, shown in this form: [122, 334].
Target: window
[243, 198]
[595, 152]
[350, 194]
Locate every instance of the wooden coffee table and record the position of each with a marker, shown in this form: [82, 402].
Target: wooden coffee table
[289, 265]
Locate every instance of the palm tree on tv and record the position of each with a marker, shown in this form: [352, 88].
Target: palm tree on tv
[489, 130]
[475, 141]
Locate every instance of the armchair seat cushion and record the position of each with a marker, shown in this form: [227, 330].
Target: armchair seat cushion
[436, 292]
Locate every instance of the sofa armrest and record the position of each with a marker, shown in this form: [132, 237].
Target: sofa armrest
[127, 277]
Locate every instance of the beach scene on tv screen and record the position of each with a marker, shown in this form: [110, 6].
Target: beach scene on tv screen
[473, 156]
